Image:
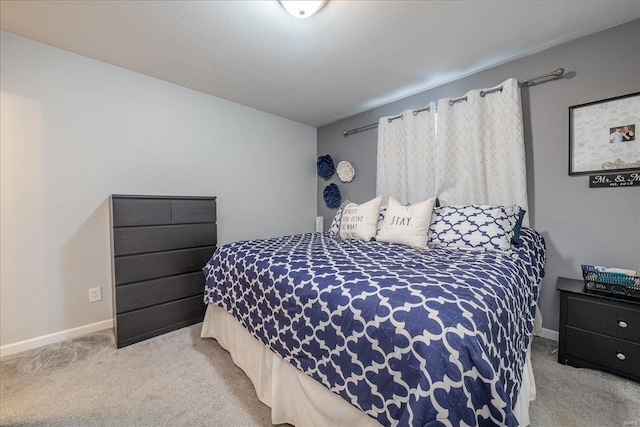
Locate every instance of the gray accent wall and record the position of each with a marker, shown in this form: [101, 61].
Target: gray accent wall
[580, 225]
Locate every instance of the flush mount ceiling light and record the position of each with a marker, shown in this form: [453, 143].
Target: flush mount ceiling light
[302, 8]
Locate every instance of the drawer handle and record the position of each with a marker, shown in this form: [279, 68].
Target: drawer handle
[622, 323]
[620, 356]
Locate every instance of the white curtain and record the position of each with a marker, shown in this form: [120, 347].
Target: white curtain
[480, 156]
[406, 156]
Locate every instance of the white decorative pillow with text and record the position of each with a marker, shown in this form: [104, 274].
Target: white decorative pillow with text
[360, 221]
[407, 225]
[487, 227]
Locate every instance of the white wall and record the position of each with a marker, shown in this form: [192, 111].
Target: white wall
[74, 130]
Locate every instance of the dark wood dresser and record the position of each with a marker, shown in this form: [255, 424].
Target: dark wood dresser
[598, 331]
[159, 246]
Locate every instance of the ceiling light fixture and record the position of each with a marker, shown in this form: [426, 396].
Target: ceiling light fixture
[302, 8]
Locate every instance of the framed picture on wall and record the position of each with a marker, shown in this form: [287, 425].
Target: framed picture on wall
[603, 136]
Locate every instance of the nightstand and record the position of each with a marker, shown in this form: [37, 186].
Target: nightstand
[598, 331]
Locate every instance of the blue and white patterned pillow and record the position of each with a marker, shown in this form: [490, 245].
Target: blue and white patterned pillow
[486, 227]
[334, 229]
[516, 230]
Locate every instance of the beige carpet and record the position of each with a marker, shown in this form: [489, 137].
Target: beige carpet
[180, 379]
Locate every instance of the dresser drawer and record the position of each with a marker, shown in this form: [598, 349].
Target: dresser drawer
[137, 240]
[190, 211]
[134, 212]
[604, 318]
[612, 353]
[135, 268]
[157, 291]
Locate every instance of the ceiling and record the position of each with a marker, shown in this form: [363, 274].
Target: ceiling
[350, 57]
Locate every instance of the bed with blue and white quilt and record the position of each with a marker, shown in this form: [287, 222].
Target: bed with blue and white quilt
[403, 336]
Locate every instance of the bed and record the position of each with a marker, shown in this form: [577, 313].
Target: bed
[349, 332]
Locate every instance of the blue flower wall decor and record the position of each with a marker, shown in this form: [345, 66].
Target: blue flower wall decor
[332, 196]
[326, 168]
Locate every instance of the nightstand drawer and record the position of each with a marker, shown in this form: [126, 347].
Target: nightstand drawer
[612, 353]
[604, 318]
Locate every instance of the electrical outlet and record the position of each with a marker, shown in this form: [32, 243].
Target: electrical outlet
[95, 294]
[319, 224]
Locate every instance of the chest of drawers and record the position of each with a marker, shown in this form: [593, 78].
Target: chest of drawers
[598, 331]
[159, 246]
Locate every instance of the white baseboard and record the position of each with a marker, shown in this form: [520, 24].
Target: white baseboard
[549, 334]
[29, 344]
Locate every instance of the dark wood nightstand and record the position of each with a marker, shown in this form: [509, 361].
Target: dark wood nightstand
[598, 331]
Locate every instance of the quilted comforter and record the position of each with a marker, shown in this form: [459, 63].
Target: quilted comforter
[409, 336]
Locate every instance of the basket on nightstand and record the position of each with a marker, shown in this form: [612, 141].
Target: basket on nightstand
[620, 283]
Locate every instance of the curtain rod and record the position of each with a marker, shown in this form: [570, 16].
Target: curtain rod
[554, 74]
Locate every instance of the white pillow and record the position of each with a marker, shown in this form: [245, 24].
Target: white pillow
[407, 225]
[360, 221]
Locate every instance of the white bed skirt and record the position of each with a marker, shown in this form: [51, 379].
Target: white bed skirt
[296, 398]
